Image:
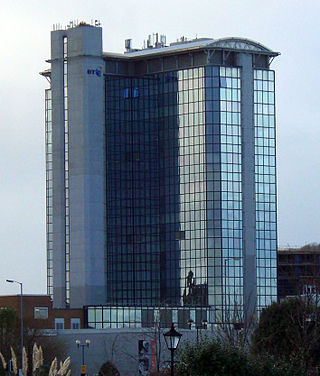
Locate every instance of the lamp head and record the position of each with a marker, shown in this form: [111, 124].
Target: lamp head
[172, 338]
[190, 322]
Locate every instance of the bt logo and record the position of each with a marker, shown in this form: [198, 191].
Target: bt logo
[97, 71]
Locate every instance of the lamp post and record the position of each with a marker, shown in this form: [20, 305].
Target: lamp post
[21, 318]
[190, 322]
[203, 325]
[226, 279]
[172, 338]
[83, 345]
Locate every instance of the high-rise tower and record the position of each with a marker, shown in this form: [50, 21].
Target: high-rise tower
[161, 177]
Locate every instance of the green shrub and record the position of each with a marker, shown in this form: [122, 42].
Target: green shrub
[290, 331]
[216, 358]
[108, 369]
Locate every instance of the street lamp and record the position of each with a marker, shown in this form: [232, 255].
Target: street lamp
[172, 338]
[21, 318]
[203, 325]
[226, 279]
[190, 322]
[83, 345]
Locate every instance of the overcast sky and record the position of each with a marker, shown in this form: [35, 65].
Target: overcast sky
[290, 27]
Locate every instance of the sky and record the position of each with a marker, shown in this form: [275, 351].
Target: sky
[290, 27]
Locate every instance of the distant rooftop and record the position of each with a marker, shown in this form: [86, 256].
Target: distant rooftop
[309, 248]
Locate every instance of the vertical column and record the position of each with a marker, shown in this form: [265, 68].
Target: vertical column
[213, 189]
[86, 111]
[58, 168]
[265, 185]
[248, 189]
[49, 230]
[66, 171]
[78, 167]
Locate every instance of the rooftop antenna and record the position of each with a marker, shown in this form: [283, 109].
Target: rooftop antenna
[127, 44]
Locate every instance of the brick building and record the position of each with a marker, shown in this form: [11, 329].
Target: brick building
[299, 271]
[39, 314]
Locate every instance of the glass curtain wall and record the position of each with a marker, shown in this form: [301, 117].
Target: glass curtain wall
[231, 190]
[132, 138]
[192, 174]
[156, 203]
[99, 317]
[265, 187]
[48, 136]
[224, 195]
[171, 232]
[174, 212]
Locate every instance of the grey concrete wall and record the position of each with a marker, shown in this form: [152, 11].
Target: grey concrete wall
[117, 345]
[58, 168]
[86, 166]
[248, 188]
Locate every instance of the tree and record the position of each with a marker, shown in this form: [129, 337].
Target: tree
[290, 330]
[211, 358]
[9, 330]
[108, 369]
[221, 359]
[10, 338]
[237, 328]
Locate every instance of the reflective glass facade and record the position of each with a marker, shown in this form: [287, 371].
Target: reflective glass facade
[192, 216]
[156, 184]
[224, 190]
[174, 189]
[133, 192]
[101, 317]
[265, 186]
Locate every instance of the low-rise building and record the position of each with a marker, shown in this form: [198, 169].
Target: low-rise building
[299, 271]
[39, 314]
